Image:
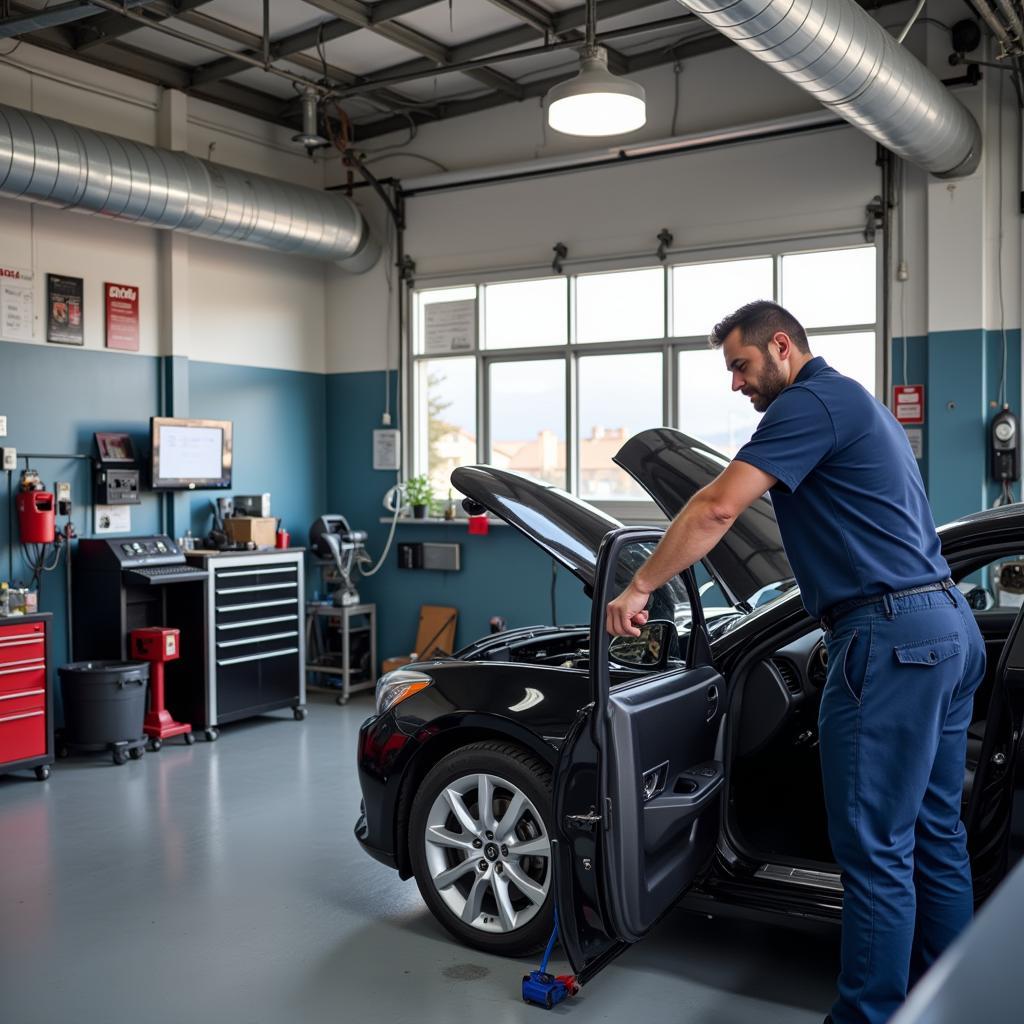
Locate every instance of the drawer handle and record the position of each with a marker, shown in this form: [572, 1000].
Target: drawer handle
[255, 604]
[257, 639]
[259, 657]
[26, 714]
[20, 639]
[256, 589]
[24, 693]
[257, 622]
[22, 666]
[252, 572]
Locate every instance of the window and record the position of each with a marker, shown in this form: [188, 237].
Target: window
[619, 395]
[570, 366]
[527, 418]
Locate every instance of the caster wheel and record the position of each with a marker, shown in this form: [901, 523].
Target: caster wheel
[137, 752]
[341, 701]
[43, 772]
[154, 745]
[300, 714]
[119, 757]
[211, 735]
[189, 739]
[63, 752]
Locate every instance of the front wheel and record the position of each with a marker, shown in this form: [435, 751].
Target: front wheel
[480, 847]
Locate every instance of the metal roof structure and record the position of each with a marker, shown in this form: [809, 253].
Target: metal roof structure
[387, 64]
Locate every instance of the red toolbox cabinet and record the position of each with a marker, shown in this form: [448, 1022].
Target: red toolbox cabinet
[26, 701]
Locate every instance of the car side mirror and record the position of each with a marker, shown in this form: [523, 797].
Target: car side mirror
[650, 650]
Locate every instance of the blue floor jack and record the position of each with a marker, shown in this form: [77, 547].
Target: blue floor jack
[547, 990]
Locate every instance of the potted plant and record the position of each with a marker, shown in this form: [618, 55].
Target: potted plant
[419, 494]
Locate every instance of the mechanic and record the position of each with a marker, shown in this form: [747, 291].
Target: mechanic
[905, 655]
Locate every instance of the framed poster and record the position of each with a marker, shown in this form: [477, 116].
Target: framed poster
[64, 309]
[121, 303]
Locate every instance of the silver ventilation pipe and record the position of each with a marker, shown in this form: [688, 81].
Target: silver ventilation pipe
[48, 161]
[850, 64]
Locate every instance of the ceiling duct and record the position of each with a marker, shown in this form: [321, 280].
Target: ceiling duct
[852, 65]
[48, 161]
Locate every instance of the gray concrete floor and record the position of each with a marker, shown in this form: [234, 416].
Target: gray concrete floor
[221, 882]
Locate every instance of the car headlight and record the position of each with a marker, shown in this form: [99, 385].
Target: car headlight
[394, 687]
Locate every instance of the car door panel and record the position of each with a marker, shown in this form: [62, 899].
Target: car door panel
[638, 786]
[659, 735]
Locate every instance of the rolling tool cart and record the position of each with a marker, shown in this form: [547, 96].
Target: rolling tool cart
[26, 696]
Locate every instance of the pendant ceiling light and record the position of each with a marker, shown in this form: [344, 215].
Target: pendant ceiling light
[596, 102]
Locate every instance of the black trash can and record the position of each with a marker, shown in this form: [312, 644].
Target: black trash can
[105, 705]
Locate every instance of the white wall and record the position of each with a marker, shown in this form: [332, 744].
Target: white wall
[244, 306]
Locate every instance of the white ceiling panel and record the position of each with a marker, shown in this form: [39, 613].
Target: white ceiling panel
[161, 44]
[467, 20]
[286, 16]
[364, 51]
[643, 16]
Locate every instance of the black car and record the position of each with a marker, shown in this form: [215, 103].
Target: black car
[615, 777]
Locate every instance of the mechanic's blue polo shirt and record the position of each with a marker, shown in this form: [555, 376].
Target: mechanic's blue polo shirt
[849, 500]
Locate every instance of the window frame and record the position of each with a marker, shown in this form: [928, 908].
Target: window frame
[628, 511]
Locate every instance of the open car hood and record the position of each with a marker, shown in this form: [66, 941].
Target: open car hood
[672, 467]
[568, 529]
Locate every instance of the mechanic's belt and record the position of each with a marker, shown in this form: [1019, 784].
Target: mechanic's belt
[830, 617]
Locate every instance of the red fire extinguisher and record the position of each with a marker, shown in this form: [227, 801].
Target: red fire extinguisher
[36, 517]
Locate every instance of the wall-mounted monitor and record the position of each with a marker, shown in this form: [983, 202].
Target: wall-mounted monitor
[190, 455]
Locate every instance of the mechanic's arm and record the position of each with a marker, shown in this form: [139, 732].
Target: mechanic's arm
[691, 535]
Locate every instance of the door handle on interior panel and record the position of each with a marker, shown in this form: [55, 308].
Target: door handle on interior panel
[712, 703]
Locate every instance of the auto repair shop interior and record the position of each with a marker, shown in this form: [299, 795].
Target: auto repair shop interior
[337, 338]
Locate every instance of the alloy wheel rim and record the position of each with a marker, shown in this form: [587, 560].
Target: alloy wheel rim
[488, 853]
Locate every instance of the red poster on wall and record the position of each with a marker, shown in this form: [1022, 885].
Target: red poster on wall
[122, 305]
[908, 403]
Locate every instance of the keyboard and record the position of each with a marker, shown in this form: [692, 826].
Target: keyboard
[154, 574]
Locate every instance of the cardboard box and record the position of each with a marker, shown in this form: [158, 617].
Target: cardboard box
[261, 530]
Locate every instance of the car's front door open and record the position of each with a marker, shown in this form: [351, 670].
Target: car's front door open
[638, 785]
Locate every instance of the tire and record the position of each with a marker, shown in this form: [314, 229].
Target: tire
[42, 772]
[154, 745]
[300, 714]
[136, 753]
[190, 738]
[211, 735]
[119, 757]
[511, 771]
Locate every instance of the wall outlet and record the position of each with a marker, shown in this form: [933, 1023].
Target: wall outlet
[3, 426]
[9, 458]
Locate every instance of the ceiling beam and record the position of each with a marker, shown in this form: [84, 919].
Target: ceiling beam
[532, 14]
[106, 27]
[308, 39]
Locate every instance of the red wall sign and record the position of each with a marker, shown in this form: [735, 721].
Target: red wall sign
[122, 306]
[908, 403]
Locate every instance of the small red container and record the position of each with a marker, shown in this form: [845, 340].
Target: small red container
[36, 517]
[282, 539]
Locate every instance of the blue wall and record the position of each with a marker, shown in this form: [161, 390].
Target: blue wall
[56, 397]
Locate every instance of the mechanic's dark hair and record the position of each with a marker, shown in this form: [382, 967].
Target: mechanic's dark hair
[758, 322]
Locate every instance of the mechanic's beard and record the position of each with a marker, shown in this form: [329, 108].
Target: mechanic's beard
[770, 385]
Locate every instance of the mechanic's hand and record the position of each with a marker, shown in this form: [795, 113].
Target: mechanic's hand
[628, 612]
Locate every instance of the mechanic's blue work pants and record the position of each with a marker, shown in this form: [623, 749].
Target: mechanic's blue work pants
[902, 673]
